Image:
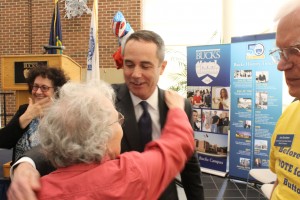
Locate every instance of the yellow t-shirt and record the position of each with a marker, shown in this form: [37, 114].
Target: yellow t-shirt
[285, 157]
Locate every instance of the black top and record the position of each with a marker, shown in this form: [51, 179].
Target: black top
[12, 132]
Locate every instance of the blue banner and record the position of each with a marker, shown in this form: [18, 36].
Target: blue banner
[208, 81]
[256, 105]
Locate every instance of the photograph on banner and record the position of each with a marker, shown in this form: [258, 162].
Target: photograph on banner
[200, 96]
[265, 162]
[244, 103]
[211, 144]
[243, 134]
[260, 144]
[247, 124]
[206, 127]
[197, 119]
[257, 162]
[262, 76]
[243, 124]
[221, 98]
[260, 161]
[212, 150]
[215, 121]
[242, 74]
[261, 100]
[244, 163]
[206, 120]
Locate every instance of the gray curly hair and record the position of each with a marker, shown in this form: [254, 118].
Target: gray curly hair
[76, 128]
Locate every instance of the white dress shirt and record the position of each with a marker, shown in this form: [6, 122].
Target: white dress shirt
[152, 109]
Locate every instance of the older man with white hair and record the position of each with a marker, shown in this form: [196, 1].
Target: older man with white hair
[285, 149]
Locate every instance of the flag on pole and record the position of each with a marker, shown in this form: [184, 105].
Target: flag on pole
[93, 71]
[55, 38]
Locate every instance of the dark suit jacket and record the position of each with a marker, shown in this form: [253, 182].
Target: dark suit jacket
[190, 176]
[131, 141]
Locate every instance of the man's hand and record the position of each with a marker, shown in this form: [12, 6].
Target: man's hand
[25, 182]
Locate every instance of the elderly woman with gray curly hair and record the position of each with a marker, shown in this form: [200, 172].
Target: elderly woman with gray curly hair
[82, 135]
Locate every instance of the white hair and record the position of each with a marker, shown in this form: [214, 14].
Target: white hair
[76, 128]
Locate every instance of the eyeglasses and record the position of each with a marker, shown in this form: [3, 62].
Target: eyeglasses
[285, 53]
[120, 120]
[44, 88]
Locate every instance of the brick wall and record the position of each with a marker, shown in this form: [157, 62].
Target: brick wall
[25, 26]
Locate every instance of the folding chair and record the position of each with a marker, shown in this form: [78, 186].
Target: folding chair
[267, 189]
[265, 177]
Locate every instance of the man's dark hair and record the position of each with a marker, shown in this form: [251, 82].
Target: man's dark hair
[150, 36]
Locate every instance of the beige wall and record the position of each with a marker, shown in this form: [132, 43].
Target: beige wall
[110, 75]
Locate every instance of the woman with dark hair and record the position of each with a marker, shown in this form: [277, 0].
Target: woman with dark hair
[20, 133]
[223, 100]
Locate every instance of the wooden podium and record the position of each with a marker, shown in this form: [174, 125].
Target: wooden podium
[13, 68]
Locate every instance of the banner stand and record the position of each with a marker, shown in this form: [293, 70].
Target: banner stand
[213, 172]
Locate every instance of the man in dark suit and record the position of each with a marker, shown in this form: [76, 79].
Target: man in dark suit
[143, 64]
[190, 176]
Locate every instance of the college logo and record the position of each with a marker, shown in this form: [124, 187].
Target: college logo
[255, 51]
[22, 68]
[203, 69]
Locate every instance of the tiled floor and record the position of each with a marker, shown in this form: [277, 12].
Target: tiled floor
[219, 188]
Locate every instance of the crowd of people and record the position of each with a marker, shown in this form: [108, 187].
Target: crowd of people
[91, 138]
[262, 78]
[85, 148]
[211, 121]
[200, 98]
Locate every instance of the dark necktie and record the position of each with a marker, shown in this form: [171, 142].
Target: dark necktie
[145, 124]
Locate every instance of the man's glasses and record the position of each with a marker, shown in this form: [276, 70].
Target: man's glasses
[285, 53]
[120, 120]
[44, 88]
